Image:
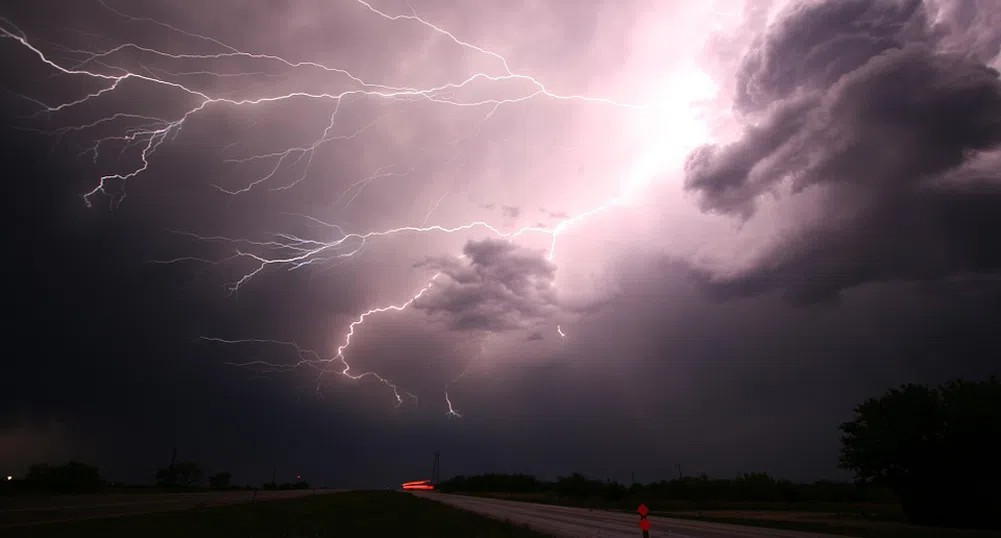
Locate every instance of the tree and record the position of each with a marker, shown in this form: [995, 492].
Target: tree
[220, 480]
[70, 477]
[185, 474]
[936, 448]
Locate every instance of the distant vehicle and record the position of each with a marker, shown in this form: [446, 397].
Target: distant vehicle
[420, 485]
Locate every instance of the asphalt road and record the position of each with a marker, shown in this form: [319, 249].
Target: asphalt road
[31, 510]
[584, 523]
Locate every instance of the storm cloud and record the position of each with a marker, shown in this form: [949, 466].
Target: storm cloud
[495, 286]
[853, 145]
[896, 139]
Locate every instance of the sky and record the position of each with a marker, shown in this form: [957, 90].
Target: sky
[330, 238]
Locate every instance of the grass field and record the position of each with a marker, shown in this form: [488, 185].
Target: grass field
[813, 522]
[378, 513]
[847, 519]
[880, 512]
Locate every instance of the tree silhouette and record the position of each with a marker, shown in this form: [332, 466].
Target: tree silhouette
[185, 474]
[937, 448]
[220, 480]
[753, 487]
[70, 477]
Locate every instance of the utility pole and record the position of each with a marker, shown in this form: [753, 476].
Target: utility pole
[679, 472]
[274, 471]
[632, 477]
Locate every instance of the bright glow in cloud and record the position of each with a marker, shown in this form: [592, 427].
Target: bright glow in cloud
[672, 130]
[654, 113]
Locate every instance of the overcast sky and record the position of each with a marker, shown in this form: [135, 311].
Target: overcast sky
[639, 233]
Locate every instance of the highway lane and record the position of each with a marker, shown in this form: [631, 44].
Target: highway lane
[31, 510]
[583, 523]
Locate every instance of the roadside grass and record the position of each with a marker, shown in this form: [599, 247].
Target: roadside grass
[365, 513]
[869, 511]
[863, 520]
[862, 529]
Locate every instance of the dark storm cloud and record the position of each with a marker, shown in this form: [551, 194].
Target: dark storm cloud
[115, 375]
[723, 175]
[659, 364]
[817, 43]
[496, 286]
[896, 136]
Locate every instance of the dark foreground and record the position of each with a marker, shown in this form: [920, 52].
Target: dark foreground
[585, 523]
[46, 509]
[337, 514]
[842, 519]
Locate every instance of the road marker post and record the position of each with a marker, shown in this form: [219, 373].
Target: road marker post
[644, 522]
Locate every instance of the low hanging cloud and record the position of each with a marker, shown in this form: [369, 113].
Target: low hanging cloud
[872, 106]
[816, 44]
[495, 286]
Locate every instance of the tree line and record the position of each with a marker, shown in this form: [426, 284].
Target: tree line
[77, 477]
[935, 451]
[748, 488]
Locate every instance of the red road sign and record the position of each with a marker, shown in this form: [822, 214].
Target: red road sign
[643, 510]
[645, 524]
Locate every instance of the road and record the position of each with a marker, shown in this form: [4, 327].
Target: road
[584, 523]
[31, 510]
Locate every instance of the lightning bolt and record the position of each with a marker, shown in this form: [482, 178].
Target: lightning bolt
[451, 410]
[145, 134]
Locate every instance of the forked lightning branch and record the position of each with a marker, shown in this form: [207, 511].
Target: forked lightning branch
[144, 135]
